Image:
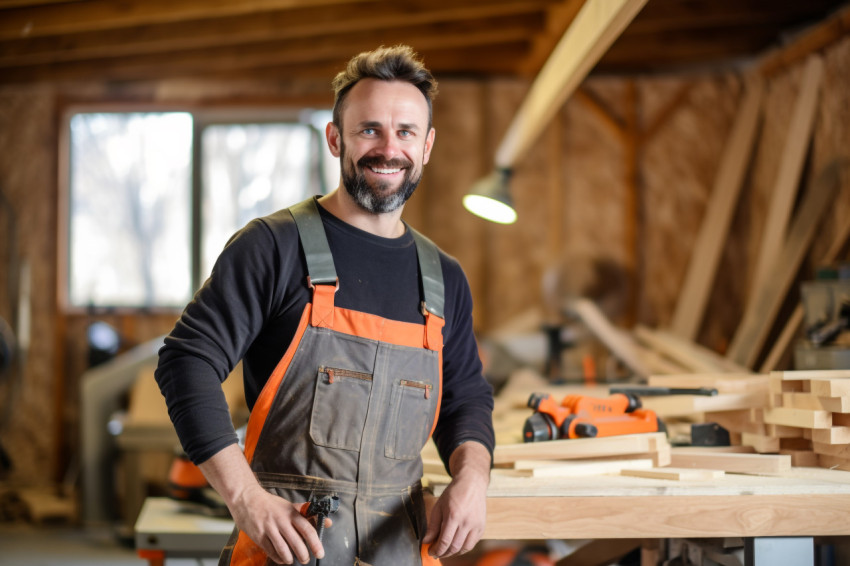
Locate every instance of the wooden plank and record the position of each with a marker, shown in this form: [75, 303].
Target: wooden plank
[266, 26]
[801, 458]
[723, 382]
[812, 374]
[678, 474]
[834, 435]
[573, 449]
[705, 257]
[93, 15]
[837, 450]
[559, 16]
[761, 309]
[678, 351]
[735, 421]
[812, 401]
[662, 516]
[831, 387]
[556, 469]
[591, 32]
[622, 346]
[784, 191]
[762, 443]
[806, 401]
[681, 405]
[782, 431]
[802, 418]
[835, 404]
[732, 463]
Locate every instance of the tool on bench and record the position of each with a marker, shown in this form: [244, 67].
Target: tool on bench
[320, 507]
[579, 416]
[648, 391]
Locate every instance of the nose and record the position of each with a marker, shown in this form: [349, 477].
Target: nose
[388, 146]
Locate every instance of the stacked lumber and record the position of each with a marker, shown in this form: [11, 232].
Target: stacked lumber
[808, 418]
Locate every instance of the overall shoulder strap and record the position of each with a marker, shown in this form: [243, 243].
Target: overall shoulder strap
[321, 273]
[320, 262]
[433, 287]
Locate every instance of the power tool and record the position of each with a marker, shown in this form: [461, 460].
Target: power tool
[579, 416]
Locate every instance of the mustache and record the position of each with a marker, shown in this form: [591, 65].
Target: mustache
[394, 163]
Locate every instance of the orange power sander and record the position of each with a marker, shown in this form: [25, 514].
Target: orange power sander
[579, 416]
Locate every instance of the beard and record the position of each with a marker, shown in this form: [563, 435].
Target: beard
[378, 197]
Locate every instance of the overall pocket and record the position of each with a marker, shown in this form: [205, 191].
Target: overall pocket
[339, 407]
[413, 406]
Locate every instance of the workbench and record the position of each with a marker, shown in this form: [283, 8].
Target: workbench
[804, 502]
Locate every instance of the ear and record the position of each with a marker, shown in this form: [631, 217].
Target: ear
[332, 136]
[429, 143]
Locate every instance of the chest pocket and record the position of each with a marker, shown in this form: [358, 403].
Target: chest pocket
[339, 407]
[413, 406]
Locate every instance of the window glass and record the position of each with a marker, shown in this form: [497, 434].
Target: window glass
[129, 206]
[250, 170]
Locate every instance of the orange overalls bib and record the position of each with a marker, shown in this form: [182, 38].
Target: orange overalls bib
[347, 411]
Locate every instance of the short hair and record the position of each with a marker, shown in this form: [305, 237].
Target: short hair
[398, 63]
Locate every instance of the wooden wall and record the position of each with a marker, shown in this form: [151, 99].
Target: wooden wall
[622, 175]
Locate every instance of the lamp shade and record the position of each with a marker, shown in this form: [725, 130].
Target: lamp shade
[490, 198]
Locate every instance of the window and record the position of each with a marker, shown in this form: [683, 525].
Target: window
[143, 230]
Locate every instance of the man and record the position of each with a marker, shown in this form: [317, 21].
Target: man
[355, 334]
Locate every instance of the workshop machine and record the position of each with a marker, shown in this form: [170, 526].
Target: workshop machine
[826, 308]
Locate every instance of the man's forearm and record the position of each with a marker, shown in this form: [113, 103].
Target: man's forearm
[229, 474]
[471, 460]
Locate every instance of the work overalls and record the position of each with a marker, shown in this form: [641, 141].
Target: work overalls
[347, 411]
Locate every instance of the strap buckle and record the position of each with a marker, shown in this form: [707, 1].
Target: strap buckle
[311, 286]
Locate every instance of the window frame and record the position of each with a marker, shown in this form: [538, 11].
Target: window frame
[202, 118]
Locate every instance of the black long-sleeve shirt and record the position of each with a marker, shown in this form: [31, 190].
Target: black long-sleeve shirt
[250, 307]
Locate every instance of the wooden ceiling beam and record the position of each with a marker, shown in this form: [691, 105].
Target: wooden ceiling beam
[278, 25]
[485, 60]
[591, 33]
[94, 15]
[266, 54]
[665, 15]
[558, 20]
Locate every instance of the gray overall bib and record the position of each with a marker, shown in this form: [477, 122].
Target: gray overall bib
[347, 411]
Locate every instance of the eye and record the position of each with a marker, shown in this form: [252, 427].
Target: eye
[405, 133]
[369, 131]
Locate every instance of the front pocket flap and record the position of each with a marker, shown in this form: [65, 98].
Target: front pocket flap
[335, 373]
[340, 407]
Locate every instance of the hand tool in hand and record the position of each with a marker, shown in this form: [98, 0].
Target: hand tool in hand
[580, 416]
[320, 507]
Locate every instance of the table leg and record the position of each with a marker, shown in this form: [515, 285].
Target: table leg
[650, 552]
[154, 557]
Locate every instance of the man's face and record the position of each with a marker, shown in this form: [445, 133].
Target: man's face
[383, 144]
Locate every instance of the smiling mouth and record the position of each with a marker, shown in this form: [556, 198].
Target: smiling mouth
[385, 170]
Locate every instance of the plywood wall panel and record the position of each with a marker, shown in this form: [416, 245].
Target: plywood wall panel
[27, 170]
[678, 169]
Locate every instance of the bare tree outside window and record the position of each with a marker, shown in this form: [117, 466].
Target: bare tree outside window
[131, 223]
[129, 205]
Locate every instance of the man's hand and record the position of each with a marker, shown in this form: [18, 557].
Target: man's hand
[457, 519]
[271, 522]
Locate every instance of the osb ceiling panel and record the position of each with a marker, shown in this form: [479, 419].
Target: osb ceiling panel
[143, 40]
